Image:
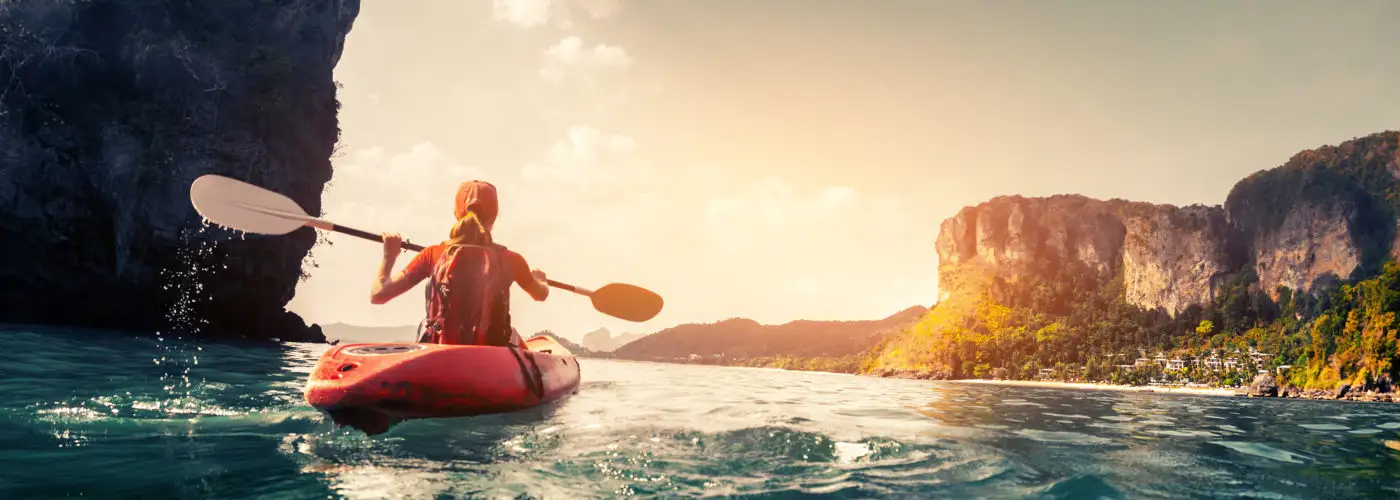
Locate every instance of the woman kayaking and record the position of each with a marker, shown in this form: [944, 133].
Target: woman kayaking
[468, 293]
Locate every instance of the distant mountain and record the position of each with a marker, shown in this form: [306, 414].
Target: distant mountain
[577, 350]
[741, 338]
[601, 340]
[349, 334]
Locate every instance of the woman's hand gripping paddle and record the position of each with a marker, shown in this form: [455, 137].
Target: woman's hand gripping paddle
[238, 205]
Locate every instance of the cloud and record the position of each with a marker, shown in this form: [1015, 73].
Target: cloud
[600, 9]
[409, 192]
[570, 57]
[525, 13]
[583, 175]
[814, 251]
[532, 13]
[773, 215]
[585, 158]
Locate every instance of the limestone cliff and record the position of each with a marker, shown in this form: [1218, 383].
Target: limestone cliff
[1325, 215]
[1169, 257]
[1068, 286]
[110, 109]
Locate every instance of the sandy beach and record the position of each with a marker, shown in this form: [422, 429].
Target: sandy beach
[1197, 391]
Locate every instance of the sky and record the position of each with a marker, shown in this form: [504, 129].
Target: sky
[783, 160]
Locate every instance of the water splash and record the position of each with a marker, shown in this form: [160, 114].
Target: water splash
[176, 349]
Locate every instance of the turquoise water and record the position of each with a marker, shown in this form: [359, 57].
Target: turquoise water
[113, 416]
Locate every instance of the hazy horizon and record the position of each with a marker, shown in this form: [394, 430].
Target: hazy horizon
[777, 162]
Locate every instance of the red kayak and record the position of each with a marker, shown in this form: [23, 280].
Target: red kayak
[372, 386]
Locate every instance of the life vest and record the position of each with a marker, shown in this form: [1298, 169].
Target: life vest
[468, 297]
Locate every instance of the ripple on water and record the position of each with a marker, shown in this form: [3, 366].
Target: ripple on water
[1325, 427]
[1020, 402]
[1389, 425]
[1261, 450]
[1062, 437]
[1119, 427]
[758, 460]
[1181, 433]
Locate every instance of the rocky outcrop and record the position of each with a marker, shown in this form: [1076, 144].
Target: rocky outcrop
[1170, 257]
[1312, 248]
[1342, 392]
[1017, 234]
[1324, 216]
[109, 110]
[601, 340]
[1175, 257]
[1263, 386]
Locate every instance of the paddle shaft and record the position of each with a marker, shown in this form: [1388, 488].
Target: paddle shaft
[419, 248]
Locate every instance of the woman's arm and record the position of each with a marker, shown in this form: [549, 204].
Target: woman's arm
[533, 282]
[386, 287]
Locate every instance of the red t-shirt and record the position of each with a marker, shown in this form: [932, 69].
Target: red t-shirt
[421, 267]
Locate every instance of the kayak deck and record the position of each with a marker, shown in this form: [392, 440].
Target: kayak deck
[372, 386]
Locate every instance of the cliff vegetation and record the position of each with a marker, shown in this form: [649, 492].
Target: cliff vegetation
[1294, 277]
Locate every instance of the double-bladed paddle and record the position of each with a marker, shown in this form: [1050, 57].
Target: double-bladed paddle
[239, 205]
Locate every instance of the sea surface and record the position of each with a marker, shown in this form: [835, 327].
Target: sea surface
[110, 415]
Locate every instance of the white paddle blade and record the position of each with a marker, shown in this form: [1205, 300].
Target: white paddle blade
[238, 205]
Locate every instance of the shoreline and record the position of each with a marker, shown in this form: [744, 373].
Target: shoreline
[1046, 384]
[1241, 392]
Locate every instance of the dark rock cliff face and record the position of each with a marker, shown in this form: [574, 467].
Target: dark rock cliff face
[109, 110]
[1327, 214]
